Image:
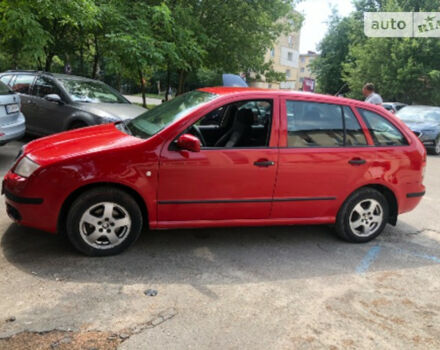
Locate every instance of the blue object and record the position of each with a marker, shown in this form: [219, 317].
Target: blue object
[233, 80]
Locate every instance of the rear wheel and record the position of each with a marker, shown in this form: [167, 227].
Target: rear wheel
[363, 216]
[103, 221]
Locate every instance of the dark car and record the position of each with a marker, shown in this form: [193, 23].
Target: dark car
[424, 121]
[56, 102]
[393, 107]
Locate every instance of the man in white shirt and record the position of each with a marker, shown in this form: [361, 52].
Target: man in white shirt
[370, 95]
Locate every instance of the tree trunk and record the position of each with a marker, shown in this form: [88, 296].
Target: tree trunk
[142, 80]
[95, 58]
[49, 58]
[182, 77]
[168, 83]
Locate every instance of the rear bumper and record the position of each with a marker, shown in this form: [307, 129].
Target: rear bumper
[12, 131]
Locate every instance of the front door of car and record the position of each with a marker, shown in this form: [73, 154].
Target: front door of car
[319, 164]
[233, 175]
[50, 116]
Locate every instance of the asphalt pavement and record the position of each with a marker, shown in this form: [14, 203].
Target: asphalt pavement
[229, 288]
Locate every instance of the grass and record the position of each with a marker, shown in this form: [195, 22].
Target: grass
[160, 97]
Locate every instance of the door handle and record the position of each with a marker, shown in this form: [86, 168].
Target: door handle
[264, 163]
[357, 161]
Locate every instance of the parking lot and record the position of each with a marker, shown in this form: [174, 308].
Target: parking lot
[229, 288]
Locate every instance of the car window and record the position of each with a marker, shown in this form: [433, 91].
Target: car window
[43, 87]
[91, 91]
[22, 83]
[6, 78]
[239, 124]
[383, 132]
[4, 89]
[354, 135]
[312, 124]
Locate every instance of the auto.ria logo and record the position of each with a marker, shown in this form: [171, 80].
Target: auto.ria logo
[402, 24]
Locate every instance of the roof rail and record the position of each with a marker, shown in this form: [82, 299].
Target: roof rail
[28, 71]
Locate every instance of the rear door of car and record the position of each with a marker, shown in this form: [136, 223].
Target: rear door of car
[22, 84]
[319, 163]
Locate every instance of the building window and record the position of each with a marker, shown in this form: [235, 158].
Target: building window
[290, 56]
[272, 52]
[303, 59]
[290, 41]
[287, 73]
[301, 80]
[302, 70]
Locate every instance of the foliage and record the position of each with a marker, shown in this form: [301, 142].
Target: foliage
[131, 40]
[402, 69]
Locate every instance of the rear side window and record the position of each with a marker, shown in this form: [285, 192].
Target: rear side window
[22, 83]
[4, 90]
[383, 132]
[313, 124]
[6, 78]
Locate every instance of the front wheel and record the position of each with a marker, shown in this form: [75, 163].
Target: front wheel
[103, 221]
[436, 149]
[363, 216]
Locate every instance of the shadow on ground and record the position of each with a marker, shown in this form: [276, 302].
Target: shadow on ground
[227, 255]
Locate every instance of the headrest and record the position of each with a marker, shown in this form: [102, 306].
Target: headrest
[245, 116]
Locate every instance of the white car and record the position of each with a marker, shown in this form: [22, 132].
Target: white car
[12, 121]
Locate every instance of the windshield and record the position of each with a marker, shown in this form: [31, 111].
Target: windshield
[91, 91]
[419, 114]
[4, 90]
[153, 121]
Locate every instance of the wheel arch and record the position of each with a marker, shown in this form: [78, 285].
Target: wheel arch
[76, 193]
[389, 196]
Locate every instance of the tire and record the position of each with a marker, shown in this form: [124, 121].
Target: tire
[436, 149]
[77, 125]
[363, 216]
[103, 221]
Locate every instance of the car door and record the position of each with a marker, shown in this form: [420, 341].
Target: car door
[22, 84]
[50, 116]
[219, 183]
[319, 163]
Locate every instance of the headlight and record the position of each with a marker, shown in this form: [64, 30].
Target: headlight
[26, 167]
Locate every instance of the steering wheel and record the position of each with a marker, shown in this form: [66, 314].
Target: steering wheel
[198, 134]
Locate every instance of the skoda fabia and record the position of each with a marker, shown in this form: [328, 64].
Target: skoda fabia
[221, 157]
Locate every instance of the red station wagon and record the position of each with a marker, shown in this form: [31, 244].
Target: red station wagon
[221, 157]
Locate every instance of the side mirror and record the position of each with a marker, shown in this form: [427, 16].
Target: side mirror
[55, 98]
[188, 142]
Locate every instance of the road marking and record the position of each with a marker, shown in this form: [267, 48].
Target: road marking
[418, 255]
[368, 259]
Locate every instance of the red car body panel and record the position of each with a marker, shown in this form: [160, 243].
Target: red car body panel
[216, 187]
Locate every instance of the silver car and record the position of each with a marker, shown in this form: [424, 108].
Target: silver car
[12, 122]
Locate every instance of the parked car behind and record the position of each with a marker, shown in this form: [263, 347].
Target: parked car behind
[393, 107]
[12, 122]
[261, 157]
[56, 102]
[424, 121]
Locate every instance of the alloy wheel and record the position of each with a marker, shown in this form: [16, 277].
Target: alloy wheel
[105, 225]
[366, 217]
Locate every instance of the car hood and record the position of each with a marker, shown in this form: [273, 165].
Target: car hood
[122, 111]
[419, 126]
[77, 142]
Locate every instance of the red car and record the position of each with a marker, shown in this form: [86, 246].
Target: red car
[221, 157]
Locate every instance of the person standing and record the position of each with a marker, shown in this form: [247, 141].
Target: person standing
[370, 95]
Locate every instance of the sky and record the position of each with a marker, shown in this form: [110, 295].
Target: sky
[316, 13]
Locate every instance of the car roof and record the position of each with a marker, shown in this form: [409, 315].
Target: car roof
[54, 75]
[294, 94]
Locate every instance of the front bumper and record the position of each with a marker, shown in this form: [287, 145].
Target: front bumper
[26, 208]
[13, 131]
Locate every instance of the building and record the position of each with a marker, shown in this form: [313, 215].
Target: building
[304, 67]
[285, 58]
